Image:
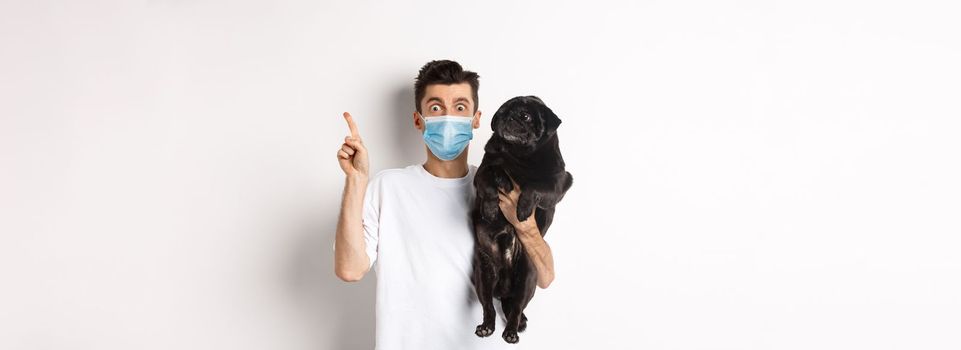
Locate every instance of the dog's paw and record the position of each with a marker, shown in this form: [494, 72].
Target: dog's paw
[484, 330]
[510, 336]
[525, 205]
[523, 324]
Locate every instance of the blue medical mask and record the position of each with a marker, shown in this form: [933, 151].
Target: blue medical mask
[448, 135]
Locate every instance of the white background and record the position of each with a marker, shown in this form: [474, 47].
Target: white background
[747, 175]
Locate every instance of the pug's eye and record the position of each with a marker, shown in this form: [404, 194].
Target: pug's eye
[526, 117]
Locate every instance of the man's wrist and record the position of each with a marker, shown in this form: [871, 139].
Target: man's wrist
[527, 229]
[355, 185]
[359, 179]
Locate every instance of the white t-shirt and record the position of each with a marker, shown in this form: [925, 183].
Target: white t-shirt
[420, 241]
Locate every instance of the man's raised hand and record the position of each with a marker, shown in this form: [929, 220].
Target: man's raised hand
[352, 155]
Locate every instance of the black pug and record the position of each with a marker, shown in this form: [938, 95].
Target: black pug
[523, 148]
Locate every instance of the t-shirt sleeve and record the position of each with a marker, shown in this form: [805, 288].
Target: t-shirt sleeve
[371, 218]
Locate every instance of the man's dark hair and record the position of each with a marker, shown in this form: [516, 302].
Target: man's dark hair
[445, 72]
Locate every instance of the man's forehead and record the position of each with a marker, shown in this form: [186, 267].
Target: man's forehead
[448, 92]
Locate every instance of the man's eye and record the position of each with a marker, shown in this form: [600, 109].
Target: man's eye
[435, 108]
[460, 107]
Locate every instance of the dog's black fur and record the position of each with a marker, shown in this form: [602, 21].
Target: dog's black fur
[523, 148]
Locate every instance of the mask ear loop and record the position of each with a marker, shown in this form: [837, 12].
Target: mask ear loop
[421, 115]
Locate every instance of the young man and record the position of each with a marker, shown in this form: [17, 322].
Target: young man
[414, 222]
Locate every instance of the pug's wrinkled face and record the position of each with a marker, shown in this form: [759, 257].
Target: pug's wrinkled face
[525, 121]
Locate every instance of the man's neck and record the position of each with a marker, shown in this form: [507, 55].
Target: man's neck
[454, 168]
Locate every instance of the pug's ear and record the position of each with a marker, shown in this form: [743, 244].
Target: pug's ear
[499, 114]
[551, 121]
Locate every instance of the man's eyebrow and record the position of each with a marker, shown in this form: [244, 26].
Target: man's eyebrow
[459, 99]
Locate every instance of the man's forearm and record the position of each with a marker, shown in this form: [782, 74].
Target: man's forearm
[350, 250]
[539, 252]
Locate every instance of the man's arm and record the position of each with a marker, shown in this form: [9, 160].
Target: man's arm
[350, 256]
[538, 250]
[351, 262]
[534, 244]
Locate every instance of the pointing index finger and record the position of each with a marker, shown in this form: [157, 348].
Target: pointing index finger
[353, 127]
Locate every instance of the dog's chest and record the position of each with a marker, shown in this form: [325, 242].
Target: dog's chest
[509, 250]
[506, 247]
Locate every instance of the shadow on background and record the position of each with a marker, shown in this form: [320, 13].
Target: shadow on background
[323, 298]
[408, 144]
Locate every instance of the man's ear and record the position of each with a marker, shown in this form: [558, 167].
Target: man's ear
[477, 116]
[418, 124]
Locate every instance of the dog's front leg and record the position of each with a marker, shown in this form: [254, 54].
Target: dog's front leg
[503, 181]
[526, 203]
[486, 183]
